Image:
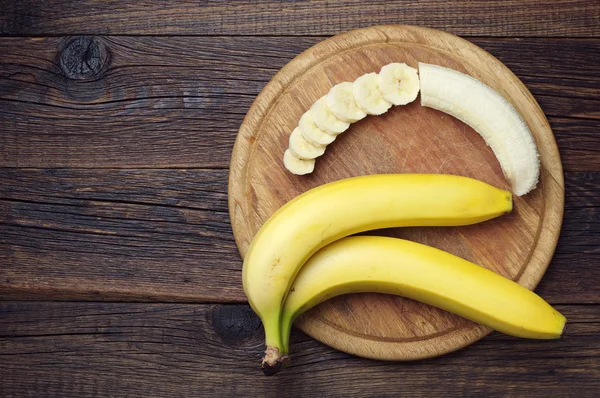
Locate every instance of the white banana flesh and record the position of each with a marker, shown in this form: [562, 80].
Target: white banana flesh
[349, 102]
[297, 166]
[312, 133]
[303, 149]
[367, 95]
[326, 120]
[399, 83]
[488, 113]
[341, 103]
[423, 273]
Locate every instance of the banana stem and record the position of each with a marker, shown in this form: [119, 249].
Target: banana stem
[272, 361]
[273, 358]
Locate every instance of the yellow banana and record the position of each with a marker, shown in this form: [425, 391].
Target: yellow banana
[409, 269]
[335, 210]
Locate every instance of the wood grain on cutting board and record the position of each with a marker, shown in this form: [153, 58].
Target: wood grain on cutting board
[407, 139]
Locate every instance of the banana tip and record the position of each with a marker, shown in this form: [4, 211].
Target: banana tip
[511, 201]
[564, 330]
[272, 361]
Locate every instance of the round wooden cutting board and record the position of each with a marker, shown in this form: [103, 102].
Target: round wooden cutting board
[407, 139]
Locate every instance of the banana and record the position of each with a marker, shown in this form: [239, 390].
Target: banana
[488, 113]
[341, 103]
[399, 83]
[326, 120]
[312, 133]
[303, 149]
[367, 95]
[423, 273]
[297, 166]
[338, 209]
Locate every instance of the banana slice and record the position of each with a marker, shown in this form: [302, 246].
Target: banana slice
[341, 103]
[399, 83]
[326, 120]
[311, 133]
[303, 149]
[297, 166]
[367, 95]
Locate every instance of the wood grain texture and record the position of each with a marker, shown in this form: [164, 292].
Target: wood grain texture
[278, 17]
[102, 350]
[164, 235]
[179, 101]
[406, 139]
[117, 234]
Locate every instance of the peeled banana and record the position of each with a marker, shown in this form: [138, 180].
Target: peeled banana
[326, 120]
[338, 209]
[400, 267]
[444, 89]
[303, 149]
[342, 104]
[312, 133]
[399, 83]
[488, 113]
[296, 165]
[349, 102]
[368, 95]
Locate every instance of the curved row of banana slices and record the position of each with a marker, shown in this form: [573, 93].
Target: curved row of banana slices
[347, 102]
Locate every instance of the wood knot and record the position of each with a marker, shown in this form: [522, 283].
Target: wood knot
[83, 58]
[235, 324]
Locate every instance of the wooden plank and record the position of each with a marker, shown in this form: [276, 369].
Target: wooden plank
[152, 105]
[178, 101]
[164, 235]
[111, 349]
[276, 17]
[117, 234]
[41, 136]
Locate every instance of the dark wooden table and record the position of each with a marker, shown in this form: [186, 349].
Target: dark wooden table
[119, 275]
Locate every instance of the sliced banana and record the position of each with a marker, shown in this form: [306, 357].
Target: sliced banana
[313, 134]
[341, 103]
[399, 83]
[303, 149]
[331, 115]
[367, 95]
[326, 120]
[297, 166]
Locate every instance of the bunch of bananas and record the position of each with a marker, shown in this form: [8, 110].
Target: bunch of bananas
[303, 254]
